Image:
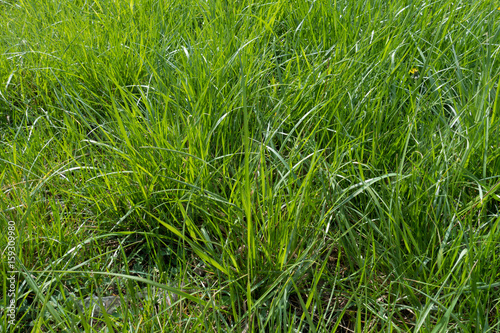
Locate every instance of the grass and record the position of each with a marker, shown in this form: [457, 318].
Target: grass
[298, 166]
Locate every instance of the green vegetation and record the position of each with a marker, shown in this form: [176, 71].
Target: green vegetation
[282, 166]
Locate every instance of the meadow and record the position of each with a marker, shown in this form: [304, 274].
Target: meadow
[252, 166]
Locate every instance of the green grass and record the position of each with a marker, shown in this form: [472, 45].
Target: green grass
[280, 159]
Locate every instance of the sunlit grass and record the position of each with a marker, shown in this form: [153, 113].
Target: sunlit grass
[282, 166]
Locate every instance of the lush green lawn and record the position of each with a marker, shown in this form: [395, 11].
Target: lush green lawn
[292, 166]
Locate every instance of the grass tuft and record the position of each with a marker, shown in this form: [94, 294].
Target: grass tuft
[277, 166]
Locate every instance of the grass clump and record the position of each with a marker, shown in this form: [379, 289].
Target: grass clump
[279, 166]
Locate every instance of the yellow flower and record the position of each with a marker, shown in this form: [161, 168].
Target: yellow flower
[414, 73]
